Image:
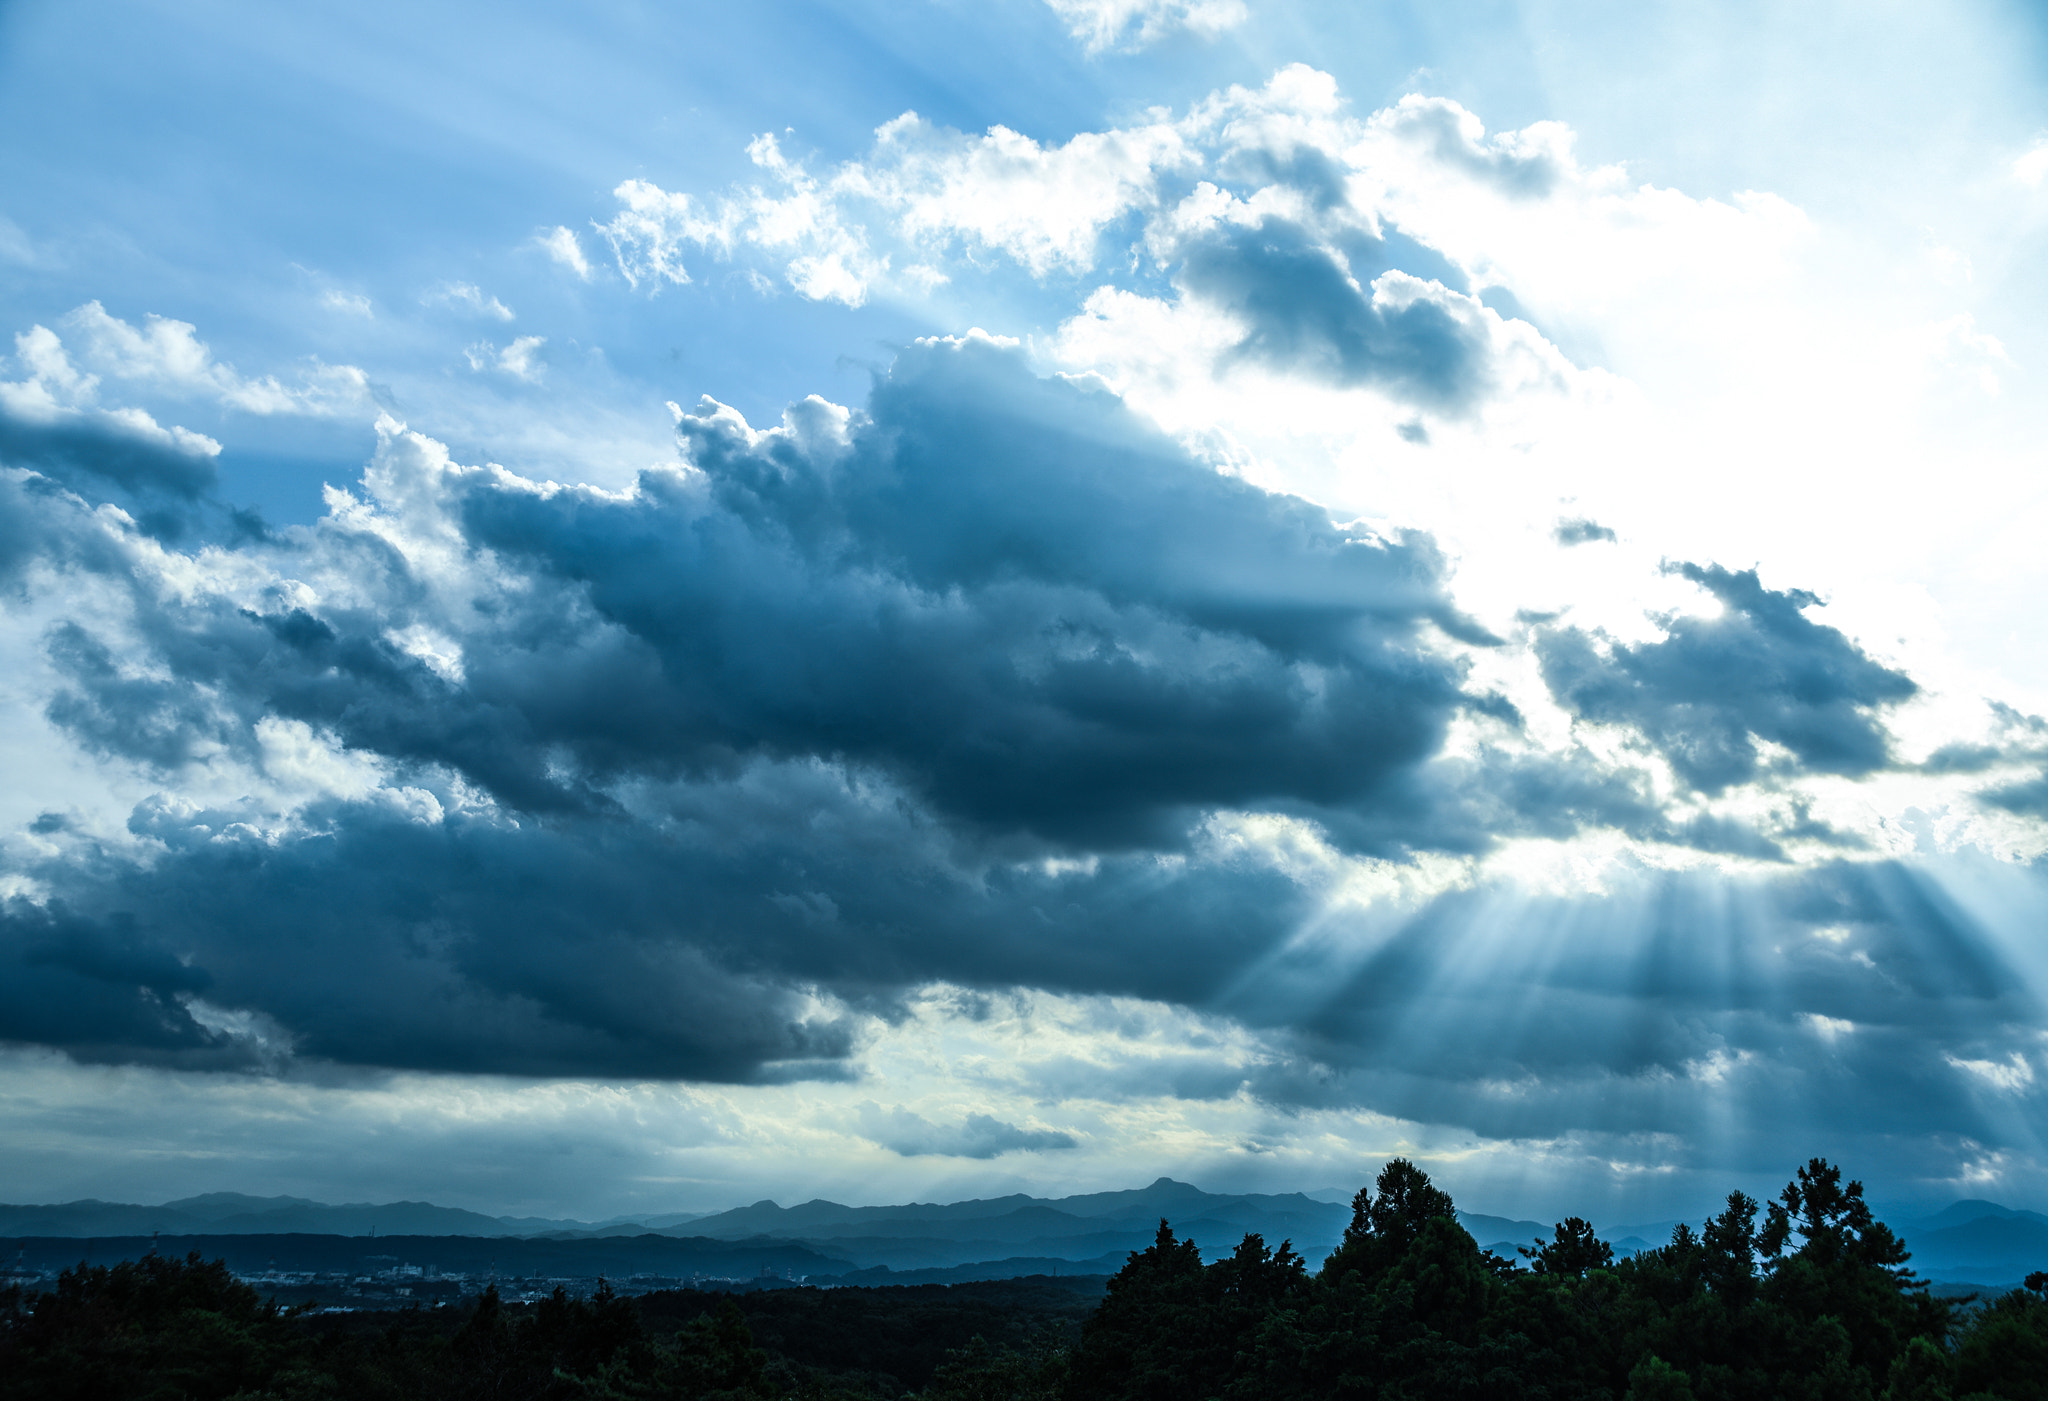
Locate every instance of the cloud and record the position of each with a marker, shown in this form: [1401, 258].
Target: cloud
[1681, 1005]
[1304, 310]
[1133, 24]
[48, 421]
[520, 359]
[123, 447]
[1578, 530]
[169, 355]
[163, 355]
[828, 256]
[993, 619]
[703, 778]
[2015, 755]
[1958, 346]
[15, 246]
[921, 186]
[468, 297]
[1003, 592]
[1044, 206]
[99, 990]
[976, 1136]
[1253, 203]
[561, 245]
[1715, 688]
[2014, 1074]
[2031, 167]
[349, 303]
[1529, 163]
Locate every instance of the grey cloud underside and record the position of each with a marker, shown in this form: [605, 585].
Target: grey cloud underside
[2021, 740]
[39, 526]
[677, 944]
[1311, 309]
[1577, 530]
[764, 744]
[1688, 1006]
[788, 723]
[99, 989]
[672, 948]
[1004, 593]
[1711, 688]
[976, 1136]
[81, 449]
[165, 485]
[1525, 174]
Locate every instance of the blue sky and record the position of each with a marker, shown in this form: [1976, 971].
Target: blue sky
[637, 611]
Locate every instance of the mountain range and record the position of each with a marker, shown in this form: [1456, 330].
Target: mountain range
[1973, 1241]
[235, 1214]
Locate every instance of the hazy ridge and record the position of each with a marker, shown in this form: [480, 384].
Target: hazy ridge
[1970, 1241]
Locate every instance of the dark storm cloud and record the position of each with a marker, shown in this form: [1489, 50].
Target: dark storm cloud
[684, 781]
[100, 990]
[680, 943]
[1005, 593]
[161, 478]
[109, 450]
[1713, 687]
[789, 725]
[1308, 311]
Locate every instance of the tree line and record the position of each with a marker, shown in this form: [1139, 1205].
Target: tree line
[1807, 1296]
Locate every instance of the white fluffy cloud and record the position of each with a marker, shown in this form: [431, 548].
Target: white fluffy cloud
[562, 245]
[921, 189]
[520, 358]
[164, 356]
[1044, 206]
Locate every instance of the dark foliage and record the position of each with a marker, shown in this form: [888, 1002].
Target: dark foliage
[143, 1329]
[901, 1338]
[162, 1329]
[1813, 1302]
[1806, 1298]
[1171, 1327]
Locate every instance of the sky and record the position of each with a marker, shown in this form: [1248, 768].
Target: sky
[640, 608]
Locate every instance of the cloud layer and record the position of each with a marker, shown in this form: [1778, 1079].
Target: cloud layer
[987, 685]
[991, 693]
[1267, 219]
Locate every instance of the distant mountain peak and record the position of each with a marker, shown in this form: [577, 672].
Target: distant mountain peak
[237, 1201]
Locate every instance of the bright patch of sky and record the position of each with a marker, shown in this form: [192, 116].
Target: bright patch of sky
[1027, 594]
